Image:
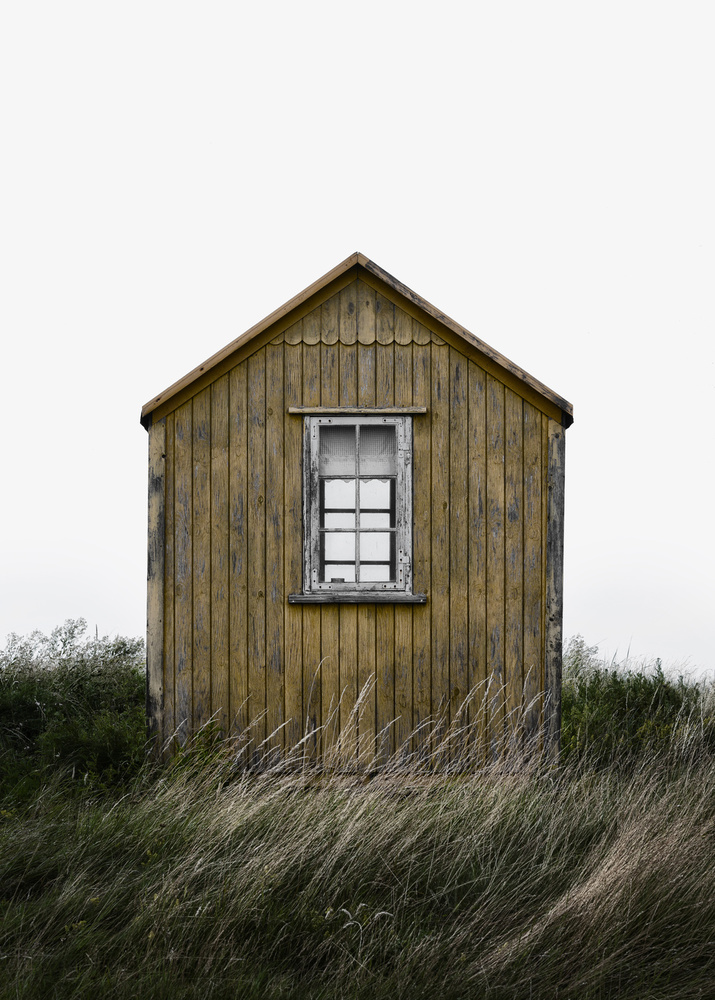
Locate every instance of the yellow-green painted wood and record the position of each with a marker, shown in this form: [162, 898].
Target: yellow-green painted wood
[183, 571]
[155, 578]
[239, 710]
[477, 547]
[164, 726]
[312, 678]
[458, 531]
[495, 556]
[533, 557]
[293, 551]
[439, 532]
[514, 552]
[421, 545]
[233, 646]
[274, 589]
[330, 614]
[219, 537]
[201, 557]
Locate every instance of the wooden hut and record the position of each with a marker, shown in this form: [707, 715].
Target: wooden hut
[356, 488]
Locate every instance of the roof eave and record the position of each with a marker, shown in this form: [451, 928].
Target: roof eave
[358, 260]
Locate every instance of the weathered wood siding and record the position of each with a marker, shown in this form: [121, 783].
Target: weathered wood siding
[225, 642]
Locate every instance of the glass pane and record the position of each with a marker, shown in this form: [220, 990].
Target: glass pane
[339, 547]
[344, 520]
[340, 574]
[339, 493]
[375, 493]
[375, 574]
[375, 546]
[378, 450]
[375, 520]
[337, 451]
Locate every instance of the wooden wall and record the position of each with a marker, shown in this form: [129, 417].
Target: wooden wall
[227, 499]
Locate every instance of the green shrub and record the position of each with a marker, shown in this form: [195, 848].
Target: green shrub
[618, 713]
[71, 704]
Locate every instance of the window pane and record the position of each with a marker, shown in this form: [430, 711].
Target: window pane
[375, 520]
[345, 573]
[337, 451]
[339, 493]
[375, 493]
[375, 574]
[375, 546]
[378, 450]
[339, 546]
[345, 520]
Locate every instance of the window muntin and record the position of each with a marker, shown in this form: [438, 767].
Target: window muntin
[359, 509]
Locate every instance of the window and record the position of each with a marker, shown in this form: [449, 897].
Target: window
[357, 508]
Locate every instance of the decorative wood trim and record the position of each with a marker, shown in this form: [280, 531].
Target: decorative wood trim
[355, 411]
[336, 597]
[155, 583]
[434, 325]
[554, 585]
[239, 349]
[495, 356]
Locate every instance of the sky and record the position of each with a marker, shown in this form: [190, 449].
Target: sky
[170, 173]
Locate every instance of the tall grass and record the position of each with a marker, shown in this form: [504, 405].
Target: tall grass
[531, 882]
[522, 878]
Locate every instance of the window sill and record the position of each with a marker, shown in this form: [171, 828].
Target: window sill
[343, 597]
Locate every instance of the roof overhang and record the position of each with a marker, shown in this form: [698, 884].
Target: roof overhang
[356, 265]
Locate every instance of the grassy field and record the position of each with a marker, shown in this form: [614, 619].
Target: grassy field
[593, 878]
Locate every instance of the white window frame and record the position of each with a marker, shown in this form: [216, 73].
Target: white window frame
[312, 584]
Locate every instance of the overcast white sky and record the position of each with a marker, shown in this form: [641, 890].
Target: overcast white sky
[542, 172]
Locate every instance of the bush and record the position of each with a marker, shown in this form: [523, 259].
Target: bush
[619, 713]
[70, 704]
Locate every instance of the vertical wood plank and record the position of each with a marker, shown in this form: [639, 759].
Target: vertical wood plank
[257, 543]
[403, 612]
[478, 660]
[495, 556]
[311, 327]
[293, 527]
[514, 557]
[544, 538]
[238, 547]
[554, 583]
[385, 613]
[367, 618]
[329, 323]
[533, 601]
[312, 682]
[385, 319]
[458, 589]
[168, 723]
[421, 544]
[202, 559]
[219, 554]
[440, 409]
[275, 599]
[348, 639]
[155, 582]
[183, 579]
[348, 314]
[330, 614]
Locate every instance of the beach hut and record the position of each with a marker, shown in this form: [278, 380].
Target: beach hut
[356, 495]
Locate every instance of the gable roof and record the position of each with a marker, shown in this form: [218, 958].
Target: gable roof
[311, 296]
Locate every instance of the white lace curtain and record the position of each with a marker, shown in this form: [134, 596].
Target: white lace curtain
[338, 450]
